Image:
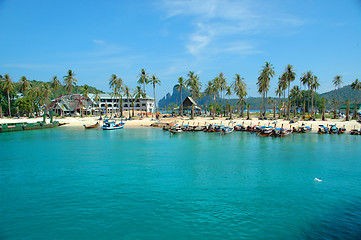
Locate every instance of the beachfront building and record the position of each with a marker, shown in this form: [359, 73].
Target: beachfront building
[70, 105]
[106, 103]
[76, 104]
[188, 105]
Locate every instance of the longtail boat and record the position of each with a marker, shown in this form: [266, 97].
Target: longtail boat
[322, 129]
[91, 126]
[332, 129]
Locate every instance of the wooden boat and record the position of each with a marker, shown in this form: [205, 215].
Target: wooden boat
[322, 129]
[355, 132]
[91, 126]
[266, 131]
[341, 130]
[227, 130]
[112, 125]
[332, 129]
[176, 129]
[218, 128]
[302, 129]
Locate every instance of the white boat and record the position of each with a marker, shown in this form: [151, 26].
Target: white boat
[226, 130]
[175, 129]
[112, 125]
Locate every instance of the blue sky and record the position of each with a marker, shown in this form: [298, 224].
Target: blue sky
[40, 39]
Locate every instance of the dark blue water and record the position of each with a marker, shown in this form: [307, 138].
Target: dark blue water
[69, 183]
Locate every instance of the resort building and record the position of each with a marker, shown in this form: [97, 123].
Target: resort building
[69, 105]
[76, 104]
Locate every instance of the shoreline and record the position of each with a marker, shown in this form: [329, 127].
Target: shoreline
[201, 121]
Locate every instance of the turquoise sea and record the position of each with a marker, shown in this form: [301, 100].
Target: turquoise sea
[68, 183]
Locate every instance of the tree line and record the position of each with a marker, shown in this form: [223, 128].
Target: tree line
[36, 96]
[293, 99]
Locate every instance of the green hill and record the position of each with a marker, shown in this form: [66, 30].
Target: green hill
[343, 94]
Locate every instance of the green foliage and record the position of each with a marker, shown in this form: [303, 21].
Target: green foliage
[24, 105]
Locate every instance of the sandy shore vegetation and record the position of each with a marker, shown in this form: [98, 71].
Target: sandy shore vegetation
[138, 122]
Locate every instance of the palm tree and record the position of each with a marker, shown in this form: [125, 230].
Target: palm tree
[154, 80]
[229, 93]
[97, 98]
[248, 107]
[222, 84]
[143, 79]
[356, 85]
[179, 87]
[296, 95]
[210, 90]
[306, 80]
[337, 81]
[289, 76]
[279, 93]
[45, 93]
[8, 86]
[24, 85]
[116, 85]
[55, 83]
[267, 72]
[127, 93]
[282, 85]
[70, 81]
[138, 94]
[240, 89]
[85, 91]
[193, 84]
[314, 86]
[195, 87]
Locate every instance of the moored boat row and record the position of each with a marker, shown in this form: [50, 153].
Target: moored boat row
[332, 129]
[271, 131]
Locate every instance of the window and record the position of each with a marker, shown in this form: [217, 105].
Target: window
[137, 105]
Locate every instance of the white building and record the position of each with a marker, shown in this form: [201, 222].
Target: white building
[111, 104]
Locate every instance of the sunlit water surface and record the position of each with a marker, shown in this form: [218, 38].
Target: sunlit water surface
[69, 183]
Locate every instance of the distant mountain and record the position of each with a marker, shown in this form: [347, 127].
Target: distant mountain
[175, 99]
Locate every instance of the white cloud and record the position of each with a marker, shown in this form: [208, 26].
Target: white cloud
[217, 23]
[97, 41]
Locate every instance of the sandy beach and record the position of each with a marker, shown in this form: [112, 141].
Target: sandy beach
[201, 121]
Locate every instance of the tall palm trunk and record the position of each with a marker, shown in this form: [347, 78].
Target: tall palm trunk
[288, 103]
[274, 108]
[308, 100]
[9, 102]
[181, 105]
[312, 102]
[242, 108]
[133, 107]
[248, 107]
[155, 102]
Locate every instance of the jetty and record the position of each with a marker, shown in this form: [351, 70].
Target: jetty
[23, 126]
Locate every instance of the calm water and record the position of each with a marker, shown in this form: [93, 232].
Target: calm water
[145, 184]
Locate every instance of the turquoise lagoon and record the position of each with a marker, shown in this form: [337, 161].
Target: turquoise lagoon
[69, 183]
